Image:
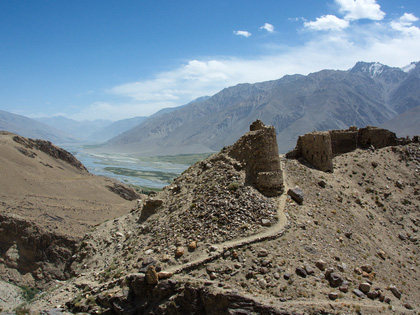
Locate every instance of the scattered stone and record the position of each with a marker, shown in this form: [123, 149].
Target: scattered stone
[333, 295]
[373, 295]
[179, 252]
[296, 194]
[335, 279]
[301, 272]
[322, 183]
[212, 275]
[399, 184]
[387, 300]
[321, 265]
[342, 267]
[381, 296]
[309, 270]
[395, 291]
[265, 222]
[358, 271]
[262, 252]
[226, 254]
[382, 254]
[374, 164]
[348, 234]
[210, 268]
[359, 293]
[366, 268]
[151, 275]
[344, 288]
[287, 275]
[408, 306]
[235, 254]
[364, 287]
[276, 276]
[328, 272]
[213, 248]
[164, 275]
[192, 246]
[262, 283]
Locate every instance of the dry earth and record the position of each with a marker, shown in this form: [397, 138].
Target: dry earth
[356, 230]
[48, 201]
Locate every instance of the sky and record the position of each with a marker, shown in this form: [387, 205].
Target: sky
[103, 59]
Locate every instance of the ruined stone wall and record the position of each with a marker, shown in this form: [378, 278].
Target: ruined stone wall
[319, 148]
[257, 150]
[343, 141]
[316, 149]
[377, 137]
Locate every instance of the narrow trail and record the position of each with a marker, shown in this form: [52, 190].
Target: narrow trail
[273, 232]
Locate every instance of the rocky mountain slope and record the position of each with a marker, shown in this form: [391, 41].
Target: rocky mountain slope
[114, 129]
[367, 94]
[48, 201]
[345, 242]
[31, 128]
[78, 129]
[406, 124]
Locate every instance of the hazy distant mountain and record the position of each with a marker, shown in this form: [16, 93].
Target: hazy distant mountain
[406, 124]
[115, 129]
[31, 128]
[78, 129]
[367, 94]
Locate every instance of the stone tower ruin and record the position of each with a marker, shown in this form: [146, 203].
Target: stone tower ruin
[257, 151]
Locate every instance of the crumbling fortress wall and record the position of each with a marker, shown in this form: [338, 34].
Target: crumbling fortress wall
[257, 151]
[316, 148]
[319, 148]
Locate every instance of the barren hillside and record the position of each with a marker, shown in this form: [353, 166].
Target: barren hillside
[212, 243]
[48, 202]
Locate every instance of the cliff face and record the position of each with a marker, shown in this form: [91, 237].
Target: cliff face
[32, 255]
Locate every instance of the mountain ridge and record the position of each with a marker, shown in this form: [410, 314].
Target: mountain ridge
[367, 94]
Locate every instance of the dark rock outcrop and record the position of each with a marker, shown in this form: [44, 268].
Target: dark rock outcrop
[52, 150]
[176, 297]
[31, 250]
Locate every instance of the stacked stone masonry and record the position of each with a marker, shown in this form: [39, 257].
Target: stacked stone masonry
[318, 148]
[257, 151]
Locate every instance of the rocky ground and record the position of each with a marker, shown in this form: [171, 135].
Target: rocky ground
[208, 243]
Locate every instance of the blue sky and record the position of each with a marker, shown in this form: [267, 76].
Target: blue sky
[102, 59]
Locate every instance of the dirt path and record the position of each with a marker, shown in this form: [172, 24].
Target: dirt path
[10, 296]
[273, 232]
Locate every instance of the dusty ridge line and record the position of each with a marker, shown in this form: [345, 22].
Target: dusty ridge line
[274, 232]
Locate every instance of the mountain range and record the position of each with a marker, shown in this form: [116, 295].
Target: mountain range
[367, 94]
[28, 127]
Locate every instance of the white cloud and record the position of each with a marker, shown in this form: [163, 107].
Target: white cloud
[394, 43]
[405, 25]
[242, 33]
[206, 77]
[268, 27]
[327, 22]
[360, 9]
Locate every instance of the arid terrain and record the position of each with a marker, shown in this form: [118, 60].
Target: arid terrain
[48, 202]
[212, 243]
